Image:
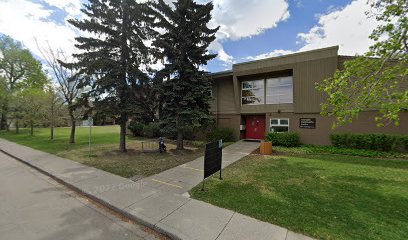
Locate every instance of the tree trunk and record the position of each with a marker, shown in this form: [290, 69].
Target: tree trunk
[73, 128]
[52, 120]
[122, 144]
[180, 145]
[32, 129]
[17, 127]
[52, 132]
[3, 122]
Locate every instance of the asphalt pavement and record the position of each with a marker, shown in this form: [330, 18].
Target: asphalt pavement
[34, 206]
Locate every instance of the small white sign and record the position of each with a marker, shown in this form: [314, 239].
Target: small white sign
[90, 121]
[220, 143]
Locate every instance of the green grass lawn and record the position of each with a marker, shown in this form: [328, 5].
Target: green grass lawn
[41, 139]
[322, 196]
[105, 154]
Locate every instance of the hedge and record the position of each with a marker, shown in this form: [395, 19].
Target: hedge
[378, 142]
[151, 130]
[283, 139]
[226, 134]
[136, 128]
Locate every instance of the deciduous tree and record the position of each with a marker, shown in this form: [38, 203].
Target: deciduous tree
[32, 107]
[68, 82]
[54, 109]
[379, 78]
[20, 70]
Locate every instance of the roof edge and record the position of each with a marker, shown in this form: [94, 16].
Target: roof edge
[221, 73]
[290, 55]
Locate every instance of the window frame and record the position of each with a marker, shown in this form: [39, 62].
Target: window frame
[279, 123]
[262, 88]
[278, 95]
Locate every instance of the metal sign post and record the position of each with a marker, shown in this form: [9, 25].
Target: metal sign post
[90, 123]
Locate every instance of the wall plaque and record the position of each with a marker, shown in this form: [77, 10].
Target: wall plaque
[309, 123]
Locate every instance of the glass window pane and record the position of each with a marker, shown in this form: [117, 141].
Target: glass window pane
[274, 99]
[272, 82]
[279, 90]
[246, 85]
[252, 84]
[252, 100]
[279, 129]
[253, 92]
[274, 121]
[247, 93]
[286, 80]
[258, 83]
[284, 122]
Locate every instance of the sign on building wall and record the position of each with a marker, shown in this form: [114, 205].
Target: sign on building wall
[309, 123]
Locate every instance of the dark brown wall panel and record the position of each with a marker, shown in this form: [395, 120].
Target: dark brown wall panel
[225, 97]
[232, 121]
[307, 98]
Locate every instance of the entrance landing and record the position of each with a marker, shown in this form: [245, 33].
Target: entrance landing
[182, 178]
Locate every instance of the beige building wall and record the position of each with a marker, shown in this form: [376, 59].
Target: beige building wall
[307, 69]
[321, 134]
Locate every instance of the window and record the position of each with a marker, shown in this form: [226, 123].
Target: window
[279, 125]
[253, 92]
[279, 90]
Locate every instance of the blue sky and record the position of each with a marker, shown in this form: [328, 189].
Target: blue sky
[284, 36]
[250, 29]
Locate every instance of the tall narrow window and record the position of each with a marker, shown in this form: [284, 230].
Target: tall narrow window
[279, 90]
[253, 92]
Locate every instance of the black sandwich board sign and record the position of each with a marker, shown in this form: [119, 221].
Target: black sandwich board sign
[309, 123]
[212, 159]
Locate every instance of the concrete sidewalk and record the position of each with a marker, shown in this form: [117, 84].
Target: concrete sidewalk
[183, 178]
[157, 207]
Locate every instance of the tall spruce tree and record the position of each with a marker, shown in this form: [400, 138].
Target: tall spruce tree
[113, 54]
[184, 48]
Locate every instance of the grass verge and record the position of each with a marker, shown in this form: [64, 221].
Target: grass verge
[105, 154]
[323, 196]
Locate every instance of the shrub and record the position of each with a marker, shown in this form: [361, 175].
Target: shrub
[151, 130]
[339, 140]
[378, 142]
[136, 128]
[283, 139]
[404, 142]
[188, 133]
[226, 134]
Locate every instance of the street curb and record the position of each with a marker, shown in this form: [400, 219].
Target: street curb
[119, 211]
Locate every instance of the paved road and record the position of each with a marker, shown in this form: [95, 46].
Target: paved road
[33, 206]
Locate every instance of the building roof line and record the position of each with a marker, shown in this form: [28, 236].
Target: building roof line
[230, 72]
[290, 55]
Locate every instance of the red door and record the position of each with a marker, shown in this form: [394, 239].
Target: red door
[255, 127]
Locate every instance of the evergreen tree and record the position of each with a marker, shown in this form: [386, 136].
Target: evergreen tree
[112, 53]
[184, 48]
